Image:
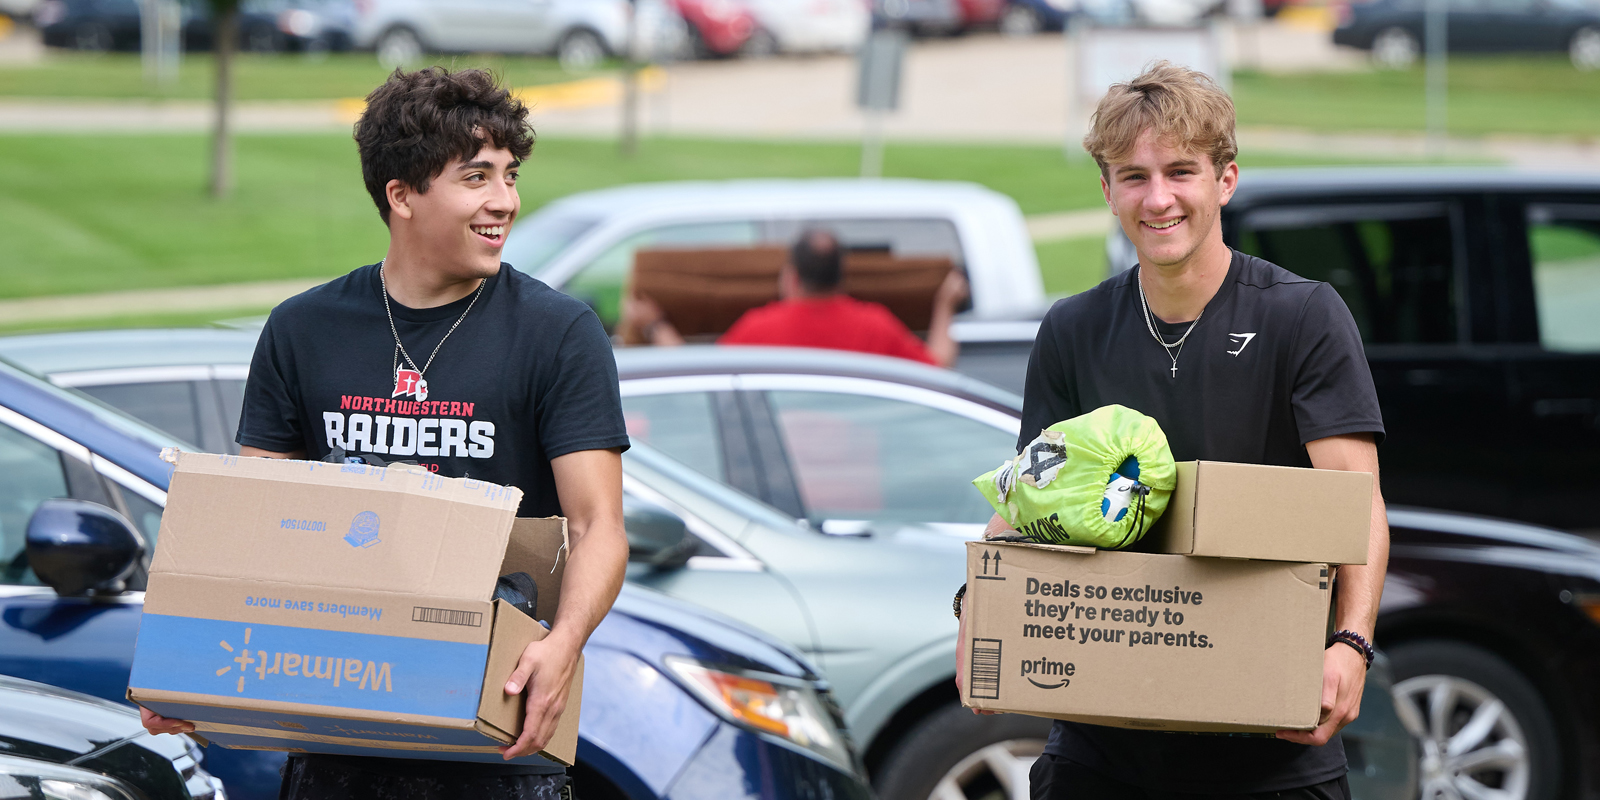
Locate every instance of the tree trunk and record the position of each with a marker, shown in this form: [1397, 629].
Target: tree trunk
[224, 44]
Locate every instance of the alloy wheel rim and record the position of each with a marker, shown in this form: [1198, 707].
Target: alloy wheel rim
[1586, 49]
[1395, 49]
[1004, 764]
[1472, 746]
[580, 53]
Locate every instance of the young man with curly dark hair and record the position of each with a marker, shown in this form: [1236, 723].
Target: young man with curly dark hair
[442, 354]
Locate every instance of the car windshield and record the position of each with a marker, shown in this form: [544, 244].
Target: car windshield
[104, 414]
[540, 238]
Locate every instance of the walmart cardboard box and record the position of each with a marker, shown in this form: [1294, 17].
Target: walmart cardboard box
[1229, 510]
[342, 608]
[1137, 640]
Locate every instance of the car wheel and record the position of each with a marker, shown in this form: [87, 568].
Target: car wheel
[1019, 20]
[761, 44]
[1395, 48]
[261, 39]
[93, 37]
[399, 47]
[954, 754]
[1483, 728]
[580, 50]
[1585, 49]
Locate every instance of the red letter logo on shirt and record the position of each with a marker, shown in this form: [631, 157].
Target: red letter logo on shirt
[410, 382]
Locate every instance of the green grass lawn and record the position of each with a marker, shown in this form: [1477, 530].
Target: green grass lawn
[92, 214]
[287, 76]
[1542, 95]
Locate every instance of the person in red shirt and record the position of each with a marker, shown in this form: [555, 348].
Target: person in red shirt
[812, 312]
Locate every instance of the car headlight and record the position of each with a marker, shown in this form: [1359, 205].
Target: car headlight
[25, 777]
[785, 708]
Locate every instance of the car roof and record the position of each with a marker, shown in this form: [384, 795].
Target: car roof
[759, 194]
[1326, 182]
[649, 362]
[49, 353]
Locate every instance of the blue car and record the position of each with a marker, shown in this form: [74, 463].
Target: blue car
[653, 724]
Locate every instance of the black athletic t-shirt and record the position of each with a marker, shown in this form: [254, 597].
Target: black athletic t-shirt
[1275, 361]
[527, 376]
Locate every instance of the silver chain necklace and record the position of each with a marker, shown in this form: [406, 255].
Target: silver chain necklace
[400, 349]
[1149, 322]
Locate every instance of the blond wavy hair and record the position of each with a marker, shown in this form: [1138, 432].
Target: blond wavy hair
[1185, 109]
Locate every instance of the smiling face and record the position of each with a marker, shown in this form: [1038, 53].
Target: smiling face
[459, 226]
[1169, 200]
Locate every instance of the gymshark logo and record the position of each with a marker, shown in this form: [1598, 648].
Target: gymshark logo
[1241, 339]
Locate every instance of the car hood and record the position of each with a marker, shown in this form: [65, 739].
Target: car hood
[652, 625]
[51, 724]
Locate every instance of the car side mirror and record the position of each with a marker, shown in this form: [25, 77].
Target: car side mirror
[656, 536]
[75, 546]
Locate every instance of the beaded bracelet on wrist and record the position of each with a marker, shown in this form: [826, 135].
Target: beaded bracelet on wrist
[1355, 641]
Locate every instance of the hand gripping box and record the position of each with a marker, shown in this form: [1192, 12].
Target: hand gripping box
[1139, 640]
[342, 608]
[1229, 510]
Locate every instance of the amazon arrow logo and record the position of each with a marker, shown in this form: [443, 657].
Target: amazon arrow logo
[1063, 671]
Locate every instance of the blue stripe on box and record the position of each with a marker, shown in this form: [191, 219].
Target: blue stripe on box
[273, 743]
[336, 669]
[283, 722]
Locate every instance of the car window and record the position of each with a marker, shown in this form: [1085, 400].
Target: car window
[171, 406]
[872, 458]
[145, 515]
[600, 282]
[30, 473]
[1565, 243]
[542, 237]
[682, 425]
[230, 399]
[1395, 265]
[900, 237]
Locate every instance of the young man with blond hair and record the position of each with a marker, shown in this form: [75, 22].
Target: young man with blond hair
[1238, 360]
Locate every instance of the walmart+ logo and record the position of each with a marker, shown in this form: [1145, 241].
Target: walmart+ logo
[362, 674]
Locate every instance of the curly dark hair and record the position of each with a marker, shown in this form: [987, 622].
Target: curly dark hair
[416, 123]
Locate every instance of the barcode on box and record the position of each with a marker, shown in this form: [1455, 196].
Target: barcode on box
[447, 616]
[984, 674]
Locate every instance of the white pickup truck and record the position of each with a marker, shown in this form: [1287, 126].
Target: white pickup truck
[583, 244]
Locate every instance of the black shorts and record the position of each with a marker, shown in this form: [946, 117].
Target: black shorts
[326, 779]
[1056, 778]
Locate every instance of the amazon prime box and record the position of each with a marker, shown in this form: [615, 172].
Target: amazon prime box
[1229, 510]
[342, 608]
[1140, 640]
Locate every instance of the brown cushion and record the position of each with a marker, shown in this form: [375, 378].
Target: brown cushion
[703, 292]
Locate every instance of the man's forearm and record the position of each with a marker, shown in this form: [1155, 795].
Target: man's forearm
[944, 349]
[595, 568]
[1361, 585]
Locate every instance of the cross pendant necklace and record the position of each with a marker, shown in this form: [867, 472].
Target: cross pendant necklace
[1174, 349]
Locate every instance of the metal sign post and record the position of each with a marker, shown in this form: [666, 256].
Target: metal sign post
[1437, 33]
[878, 92]
[159, 23]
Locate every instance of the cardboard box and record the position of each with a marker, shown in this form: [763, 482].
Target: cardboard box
[1140, 640]
[328, 608]
[1231, 510]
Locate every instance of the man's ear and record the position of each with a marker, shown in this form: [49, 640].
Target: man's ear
[399, 196]
[1230, 181]
[1105, 191]
[788, 282]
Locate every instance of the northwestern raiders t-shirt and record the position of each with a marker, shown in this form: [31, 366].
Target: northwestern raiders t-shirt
[1275, 361]
[526, 377]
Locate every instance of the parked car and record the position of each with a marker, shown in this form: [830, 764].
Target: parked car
[1027, 17]
[1393, 29]
[61, 744]
[583, 244]
[580, 33]
[650, 728]
[264, 25]
[838, 442]
[807, 26]
[980, 14]
[717, 28]
[921, 17]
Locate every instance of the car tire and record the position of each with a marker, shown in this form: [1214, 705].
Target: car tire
[1478, 720]
[580, 50]
[93, 37]
[399, 47]
[955, 753]
[1395, 48]
[1585, 49]
[261, 39]
[1019, 20]
[761, 44]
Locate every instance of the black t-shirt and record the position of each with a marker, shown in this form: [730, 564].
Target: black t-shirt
[1274, 362]
[527, 376]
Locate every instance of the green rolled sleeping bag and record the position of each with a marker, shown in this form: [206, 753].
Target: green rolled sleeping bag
[1100, 479]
